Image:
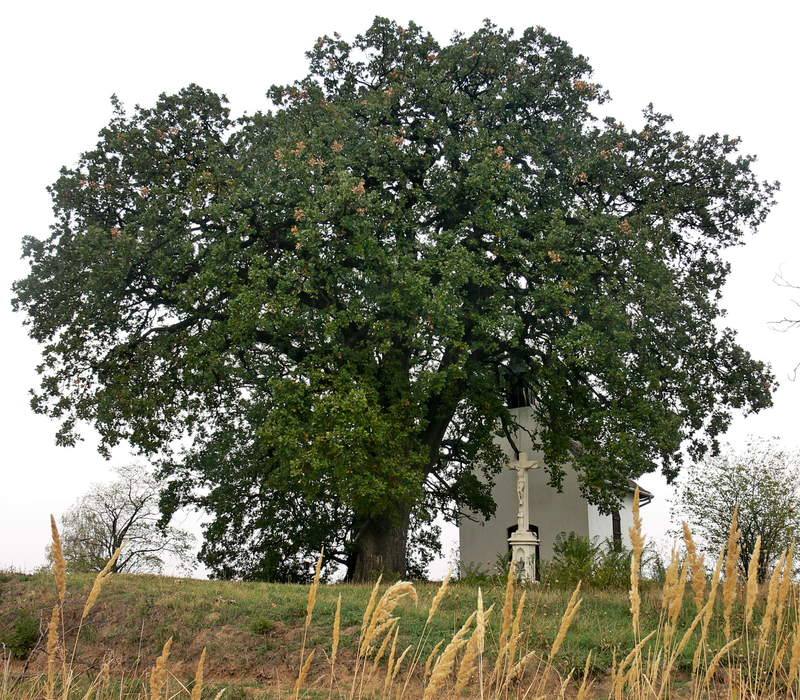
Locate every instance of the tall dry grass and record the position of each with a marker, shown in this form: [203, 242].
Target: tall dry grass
[758, 659]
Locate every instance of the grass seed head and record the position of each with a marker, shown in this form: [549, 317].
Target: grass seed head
[385, 607]
[373, 598]
[772, 600]
[566, 621]
[390, 664]
[474, 650]
[506, 631]
[385, 632]
[712, 592]
[586, 685]
[59, 563]
[303, 675]
[715, 662]
[432, 657]
[99, 582]
[730, 583]
[671, 577]
[510, 651]
[446, 662]
[337, 629]
[197, 688]
[794, 661]
[437, 599]
[752, 582]
[508, 605]
[676, 604]
[784, 589]
[620, 671]
[637, 548]
[697, 566]
[312, 592]
[399, 663]
[158, 675]
[52, 652]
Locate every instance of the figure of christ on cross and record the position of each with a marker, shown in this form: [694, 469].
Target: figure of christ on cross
[523, 542]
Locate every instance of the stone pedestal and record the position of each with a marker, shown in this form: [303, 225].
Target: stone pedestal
[523, 554]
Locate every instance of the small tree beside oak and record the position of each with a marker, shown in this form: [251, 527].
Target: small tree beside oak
[123, 514]
[762, 480]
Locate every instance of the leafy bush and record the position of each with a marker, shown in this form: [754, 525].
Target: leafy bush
[263, 625]
[577, 558]
[23, 636]
[612, 567]
[477, 574]
[573, 560]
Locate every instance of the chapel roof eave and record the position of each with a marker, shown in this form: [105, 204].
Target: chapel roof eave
[645, 496]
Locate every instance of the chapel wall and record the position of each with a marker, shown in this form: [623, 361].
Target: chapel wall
[552, 512]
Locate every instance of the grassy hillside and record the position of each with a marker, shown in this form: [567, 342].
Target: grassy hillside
[253, 631]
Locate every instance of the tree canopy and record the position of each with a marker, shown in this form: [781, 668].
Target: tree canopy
[314, 315]
[760, 481]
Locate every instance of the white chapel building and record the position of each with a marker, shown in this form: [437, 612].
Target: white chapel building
[550, 512]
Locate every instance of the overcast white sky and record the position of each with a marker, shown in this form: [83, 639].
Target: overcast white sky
[716, 66]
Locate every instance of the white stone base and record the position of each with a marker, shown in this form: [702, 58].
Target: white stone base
[523, 555]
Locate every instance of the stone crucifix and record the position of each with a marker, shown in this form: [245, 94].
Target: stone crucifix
[523, 542]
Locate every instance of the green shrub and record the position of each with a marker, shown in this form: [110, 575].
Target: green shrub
[8, 575]
[24, 635]
[612, 567]
[263, 625]
[573, 560]
[577, 558]
[475, 574]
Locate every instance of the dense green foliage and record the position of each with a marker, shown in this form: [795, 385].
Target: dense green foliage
[22, 635]
[314, 315]
[602, 565]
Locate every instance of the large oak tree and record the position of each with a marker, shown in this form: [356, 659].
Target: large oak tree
[314, 315]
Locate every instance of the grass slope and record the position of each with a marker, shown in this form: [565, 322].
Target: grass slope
[253, 631]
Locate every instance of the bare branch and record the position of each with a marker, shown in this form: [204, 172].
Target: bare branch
[125, 514]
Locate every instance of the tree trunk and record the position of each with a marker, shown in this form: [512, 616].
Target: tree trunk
[380, 549]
